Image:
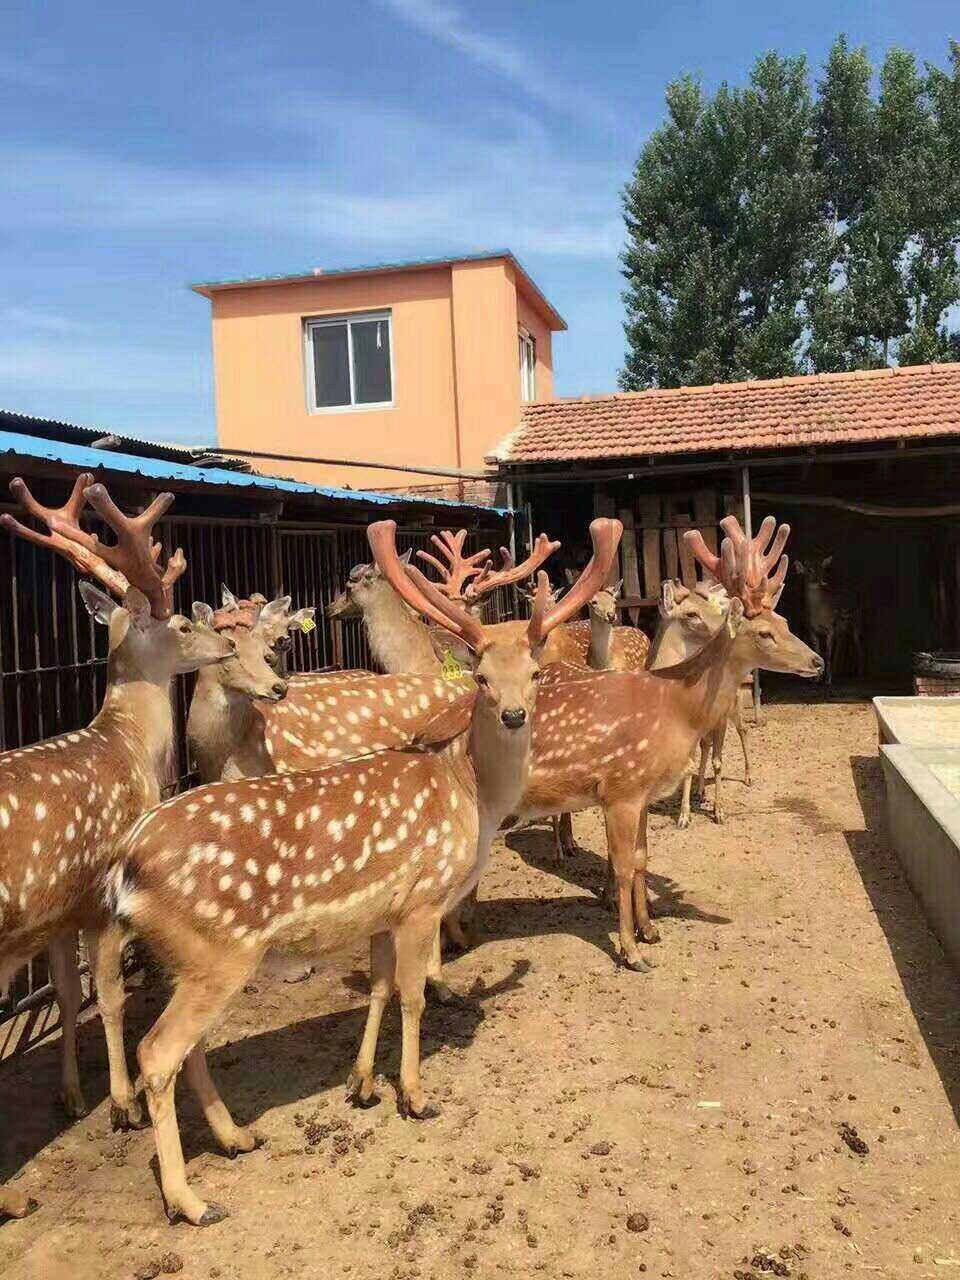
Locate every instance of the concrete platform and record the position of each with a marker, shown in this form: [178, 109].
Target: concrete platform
[918, 722]
[923, 811]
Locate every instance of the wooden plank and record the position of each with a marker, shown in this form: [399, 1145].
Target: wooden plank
[688, 566]
[649, 505]
[671, 562]
[628, 559]
[705, 516]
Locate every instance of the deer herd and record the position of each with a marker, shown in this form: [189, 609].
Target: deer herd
[344, 806]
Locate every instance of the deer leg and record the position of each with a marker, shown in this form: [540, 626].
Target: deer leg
[436, 986]
[413, 939]
[65, 974]
[198, 1000]
[622, 824]
[705, 745]
[684, 820]
[717, 751]
[383, 966]
[105, 952]
[737, 718]
[646, 929]
[563, 835]
[232, 1138]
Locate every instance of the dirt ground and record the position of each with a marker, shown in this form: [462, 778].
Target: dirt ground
[684, 1123]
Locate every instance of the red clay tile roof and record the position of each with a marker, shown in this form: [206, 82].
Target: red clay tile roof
[826, 408]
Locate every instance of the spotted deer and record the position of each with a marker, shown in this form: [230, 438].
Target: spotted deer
[66, 802]
[688, 618]
[624, 739]
[834, 615]
[226, 724]
[378, 847]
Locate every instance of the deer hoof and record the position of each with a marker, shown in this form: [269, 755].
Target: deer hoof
[637, 964]
[416, 1110]
[246, 1141]
[213, 1213]
[719, 817]
[128, 1116]
[649, 933]
[439, 991]
[683, 821]
[71, 1100]
[361, 1091]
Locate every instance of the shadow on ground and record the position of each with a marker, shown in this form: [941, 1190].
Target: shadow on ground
[930, 982]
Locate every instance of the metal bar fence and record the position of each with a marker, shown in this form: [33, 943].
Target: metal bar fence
[53, 656]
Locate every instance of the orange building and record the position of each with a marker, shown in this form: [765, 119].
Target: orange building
[418, 363]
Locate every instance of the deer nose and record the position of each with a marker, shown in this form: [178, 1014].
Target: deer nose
[514, 717]
[280, 688]
[818, 664]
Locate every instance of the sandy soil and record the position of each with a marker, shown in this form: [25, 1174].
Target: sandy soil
[684, 1123]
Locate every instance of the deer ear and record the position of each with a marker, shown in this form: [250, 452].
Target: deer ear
[668, 598]
[229, 599]
[302, 620]
[448, 722]
[202, 614]
[100, 606]
[275, 610]
[735, 616]
[405, 557]
[445, 642]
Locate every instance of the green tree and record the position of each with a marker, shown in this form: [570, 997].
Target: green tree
[769, 234]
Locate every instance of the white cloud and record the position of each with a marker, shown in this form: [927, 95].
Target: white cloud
[434, 192]
[448, 23]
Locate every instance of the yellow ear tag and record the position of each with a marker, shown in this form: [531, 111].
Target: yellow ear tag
[450, 668]
[308, 625]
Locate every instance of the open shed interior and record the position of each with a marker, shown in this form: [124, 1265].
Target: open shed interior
[888, 525]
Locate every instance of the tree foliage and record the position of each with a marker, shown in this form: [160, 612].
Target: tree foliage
[774, 231]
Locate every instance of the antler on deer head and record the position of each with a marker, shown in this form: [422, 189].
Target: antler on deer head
[459, 568]
[135, 555]
[490, 579]
[605, 535]
[744, 564]
[422, 595]
[66, 537]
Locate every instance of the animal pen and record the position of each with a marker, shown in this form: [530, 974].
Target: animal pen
[251, 533]
[864, 466]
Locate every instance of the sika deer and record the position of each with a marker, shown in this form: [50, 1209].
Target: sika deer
[833, 614]
[66, 802]
[623, 739]
[379, 847]
[687, 620]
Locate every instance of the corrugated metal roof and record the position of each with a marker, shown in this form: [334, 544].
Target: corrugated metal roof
[86, 459]
[909, 402]
[315, 274]
[32, 424]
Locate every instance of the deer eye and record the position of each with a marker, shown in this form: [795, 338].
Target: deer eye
[538, 674]
[765, 635]
[482, 681]
[184, 628]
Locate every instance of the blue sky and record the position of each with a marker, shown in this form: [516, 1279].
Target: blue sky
[150, 145]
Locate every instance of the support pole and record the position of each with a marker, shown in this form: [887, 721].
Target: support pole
[748, 530]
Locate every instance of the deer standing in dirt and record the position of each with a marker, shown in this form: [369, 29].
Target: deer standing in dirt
[379, 847]
[688, 618]
[623, 739]
[65, 802]
[833, 615]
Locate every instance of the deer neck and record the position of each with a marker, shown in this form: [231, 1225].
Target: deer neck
[704, 685]
[219, 723]
[137, 709]
[500, 762]
[601, 636]
[399, 642]
[670, 646]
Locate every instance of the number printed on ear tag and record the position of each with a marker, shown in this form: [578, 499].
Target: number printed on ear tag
[308, 625]
[450, 668]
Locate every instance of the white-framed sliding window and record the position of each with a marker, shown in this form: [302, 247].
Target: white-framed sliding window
[349, 362]
[528, 366]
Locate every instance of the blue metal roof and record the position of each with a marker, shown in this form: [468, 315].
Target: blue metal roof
[85, 459]
[377, 268]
